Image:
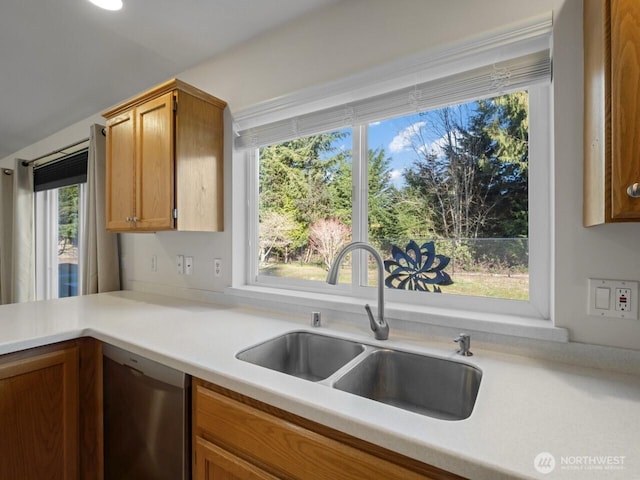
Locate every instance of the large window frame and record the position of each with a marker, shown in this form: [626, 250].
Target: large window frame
[537, 308]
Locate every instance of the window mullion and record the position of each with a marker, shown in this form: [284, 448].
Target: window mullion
[82, 226]
[52, 245]
[253, 224]
[360, 203]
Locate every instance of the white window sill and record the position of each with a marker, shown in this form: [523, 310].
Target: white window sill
[404, 317]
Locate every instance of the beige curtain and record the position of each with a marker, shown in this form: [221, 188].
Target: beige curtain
[23, 260]
[100, 267]
[6, 232]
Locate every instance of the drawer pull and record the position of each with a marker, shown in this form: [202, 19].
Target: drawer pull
[634, 190]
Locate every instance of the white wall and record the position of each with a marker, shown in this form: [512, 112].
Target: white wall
[353, 36]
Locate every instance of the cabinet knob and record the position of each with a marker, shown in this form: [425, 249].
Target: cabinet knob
[634, 190]
[128, 219]
[134, 219]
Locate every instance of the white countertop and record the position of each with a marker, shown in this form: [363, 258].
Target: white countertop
[588, 419]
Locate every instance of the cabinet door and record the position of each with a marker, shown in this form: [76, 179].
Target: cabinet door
[625, 106]
[155, 164]
[120, 172]
[39, 416]
[214, 463]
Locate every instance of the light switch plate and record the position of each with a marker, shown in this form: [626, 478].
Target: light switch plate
[622, 298]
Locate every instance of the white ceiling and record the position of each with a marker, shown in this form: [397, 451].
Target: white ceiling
[64, 60]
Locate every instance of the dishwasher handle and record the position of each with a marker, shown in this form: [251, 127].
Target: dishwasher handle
[134, 371]
[141, 366]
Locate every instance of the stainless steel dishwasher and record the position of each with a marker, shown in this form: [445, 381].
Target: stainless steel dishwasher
[146, 418]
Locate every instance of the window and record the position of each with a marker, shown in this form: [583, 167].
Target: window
[448, 179]
[59, 200]
[455, 176]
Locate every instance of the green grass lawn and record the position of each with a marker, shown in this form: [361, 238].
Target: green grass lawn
[480, 284]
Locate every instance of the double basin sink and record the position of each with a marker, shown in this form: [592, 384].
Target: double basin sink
[432, 386]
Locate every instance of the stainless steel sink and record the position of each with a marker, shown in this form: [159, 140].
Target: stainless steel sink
[427, 385]
[423, 384]
[303, 354]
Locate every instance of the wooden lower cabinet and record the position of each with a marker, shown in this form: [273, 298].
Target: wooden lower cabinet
[215, 463]
[45, 433]
[235, 437]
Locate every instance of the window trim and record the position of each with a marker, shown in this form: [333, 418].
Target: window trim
[486, 81]
[538, 305]
[537, 310]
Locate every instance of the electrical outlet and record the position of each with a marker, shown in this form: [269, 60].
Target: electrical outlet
[623, 299]
[154, 263]
[217, 267]
[180, 264]
[613, 298]
[188, 265]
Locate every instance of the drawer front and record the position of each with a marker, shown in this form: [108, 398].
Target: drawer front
[285, 448]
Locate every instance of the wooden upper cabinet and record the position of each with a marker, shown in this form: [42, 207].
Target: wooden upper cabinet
[120, 201]
[154, 164]
[165, 161]
[612, 111]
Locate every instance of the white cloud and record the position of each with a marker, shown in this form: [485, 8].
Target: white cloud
[437, 147]
[395, 174]
[403, 140]
[396, 177]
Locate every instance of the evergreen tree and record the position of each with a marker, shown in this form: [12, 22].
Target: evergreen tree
[476, 185]
[67, 217]
[381, 195]
[294, 178]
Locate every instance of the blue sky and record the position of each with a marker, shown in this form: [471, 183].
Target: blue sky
[405, 138]
[400, 137]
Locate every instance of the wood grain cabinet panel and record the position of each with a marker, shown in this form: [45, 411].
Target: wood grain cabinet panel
[154, 164]
[612, 111]
[50, 412]
[214, 463]
[240, 438]
[165, 161]
[120, 179]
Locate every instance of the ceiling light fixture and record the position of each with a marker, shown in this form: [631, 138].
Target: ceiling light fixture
[108, 4]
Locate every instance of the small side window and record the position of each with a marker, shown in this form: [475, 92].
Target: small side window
[59, 202]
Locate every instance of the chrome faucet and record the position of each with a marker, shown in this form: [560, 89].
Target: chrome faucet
[380, 327]
[465, 344]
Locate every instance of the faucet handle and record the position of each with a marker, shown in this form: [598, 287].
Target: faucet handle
[380, 327]
[465, 343]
